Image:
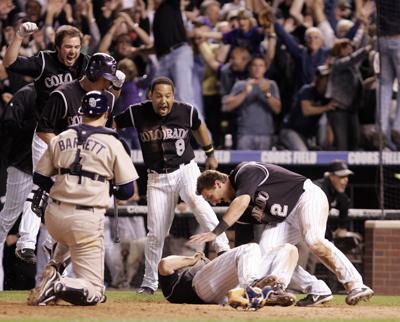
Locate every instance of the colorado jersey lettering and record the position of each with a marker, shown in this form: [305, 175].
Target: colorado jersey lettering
[48, 72]
[165, 141]
[274, 191]
[61, 109]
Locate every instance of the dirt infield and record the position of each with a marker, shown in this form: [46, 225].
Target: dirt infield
[127, 309]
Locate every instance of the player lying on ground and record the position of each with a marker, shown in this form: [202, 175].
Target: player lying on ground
[246, 278]
[291, 205]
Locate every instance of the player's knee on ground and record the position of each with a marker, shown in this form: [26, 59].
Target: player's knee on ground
[77, 296]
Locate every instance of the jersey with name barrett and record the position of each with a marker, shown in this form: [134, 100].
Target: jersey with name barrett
[165, 141]
[102, 154]
[61, 109]
[274, 190]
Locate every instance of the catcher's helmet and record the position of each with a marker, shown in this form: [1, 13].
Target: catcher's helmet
[94, 103]
[101, 65]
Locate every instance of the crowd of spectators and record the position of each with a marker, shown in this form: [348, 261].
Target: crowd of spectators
[274, 74]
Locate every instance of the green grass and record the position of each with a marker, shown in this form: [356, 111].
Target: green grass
[336, 311]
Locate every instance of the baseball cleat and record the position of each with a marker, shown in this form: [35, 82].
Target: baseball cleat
[278, 295]
[312, 300]
[44, 292]
[145, 290]
[358, 294]
[26, 254]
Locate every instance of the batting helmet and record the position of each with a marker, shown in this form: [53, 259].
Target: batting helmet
[101, 65]
[94, 103]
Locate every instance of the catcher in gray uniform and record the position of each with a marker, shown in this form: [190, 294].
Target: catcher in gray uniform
[83, 159]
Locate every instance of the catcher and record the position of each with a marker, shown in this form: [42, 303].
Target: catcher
[83, 159]
[237, 277]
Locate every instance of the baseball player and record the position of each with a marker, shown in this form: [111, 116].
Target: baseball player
[61, 109]
[83, 160]
[196, 280]
[18, 122]
[49, 69]
[293, 207]
[164, 127]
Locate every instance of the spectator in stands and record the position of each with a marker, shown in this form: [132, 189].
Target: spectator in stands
[210, 13]
[133, 91]
[118, 39]
[389, 45]
[344, 87]
[302, 124]
[84, 19]
[248, 35]
[175, 56]
[308, 58]
[255, 99]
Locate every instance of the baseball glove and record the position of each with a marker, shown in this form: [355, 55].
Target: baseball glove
[251, 298]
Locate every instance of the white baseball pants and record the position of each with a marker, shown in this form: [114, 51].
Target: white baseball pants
[307, 221]
[162, 196]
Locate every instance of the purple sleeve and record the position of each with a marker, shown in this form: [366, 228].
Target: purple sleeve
[288, 40]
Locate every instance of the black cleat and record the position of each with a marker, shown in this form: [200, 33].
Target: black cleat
[145, 290]
[312, 299]
[27, 255]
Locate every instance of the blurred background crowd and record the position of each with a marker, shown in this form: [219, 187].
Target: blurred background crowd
[279, 74]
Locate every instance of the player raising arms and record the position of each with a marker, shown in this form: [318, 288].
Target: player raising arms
[293, 207]
[49, 69]
[165, 126]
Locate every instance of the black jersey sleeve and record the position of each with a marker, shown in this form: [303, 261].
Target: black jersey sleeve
[125, 119]
[177, 287]
[53, 111]
[195, 121]
[248, 178]
[30, 66]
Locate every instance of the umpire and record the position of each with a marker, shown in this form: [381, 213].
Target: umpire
[83, 160]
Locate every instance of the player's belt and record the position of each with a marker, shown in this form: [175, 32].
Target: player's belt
[168, 170]
[83, 173]
[77, 207]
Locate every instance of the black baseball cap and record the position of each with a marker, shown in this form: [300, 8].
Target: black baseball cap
[339, 168]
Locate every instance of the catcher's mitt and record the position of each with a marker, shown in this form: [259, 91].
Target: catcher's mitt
[251, 298]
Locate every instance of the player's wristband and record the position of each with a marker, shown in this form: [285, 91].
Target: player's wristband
[221, 227]
[116, 88]
[208, 150]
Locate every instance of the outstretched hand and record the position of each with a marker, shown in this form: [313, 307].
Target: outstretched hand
[202, 238]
